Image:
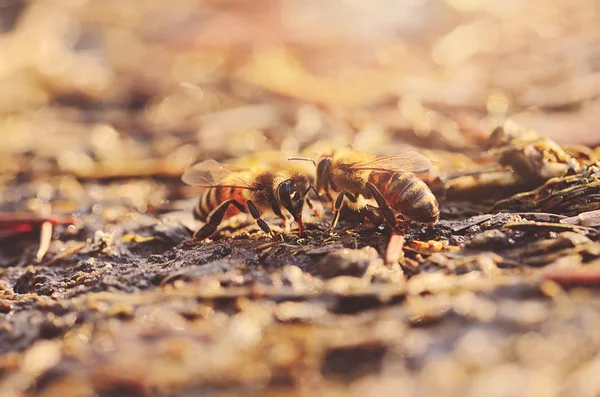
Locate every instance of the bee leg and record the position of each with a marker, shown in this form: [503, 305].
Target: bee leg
[371, 217]
[337, 206]
[372, 213]
[401, 225]
[285, 224]
[256, 215]
[216, 217]
[315, 211]
[387, 212]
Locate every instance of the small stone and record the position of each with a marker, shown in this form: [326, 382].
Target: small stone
[345, 262]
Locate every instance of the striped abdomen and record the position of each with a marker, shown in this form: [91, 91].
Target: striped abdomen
[213, 197]
[407, 194]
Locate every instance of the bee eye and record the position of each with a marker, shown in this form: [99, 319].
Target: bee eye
[293, 195]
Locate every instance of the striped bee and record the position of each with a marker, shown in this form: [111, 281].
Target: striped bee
[361, 180]
[231, 189]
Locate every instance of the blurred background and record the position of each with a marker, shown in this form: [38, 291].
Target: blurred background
[103, 104]
[129, 87]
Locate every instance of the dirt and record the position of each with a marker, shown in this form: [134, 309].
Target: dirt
[249, 314]
[105, 105]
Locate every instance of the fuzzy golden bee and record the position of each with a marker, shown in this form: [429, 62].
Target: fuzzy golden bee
[361, 180]
[231, 189]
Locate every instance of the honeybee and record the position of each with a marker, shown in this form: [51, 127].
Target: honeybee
[361, 180]
[231, 189]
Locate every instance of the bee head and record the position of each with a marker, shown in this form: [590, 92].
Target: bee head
[323, 167]
[291, 193]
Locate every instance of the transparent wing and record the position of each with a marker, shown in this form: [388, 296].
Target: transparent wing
[405, 162]
[211, 173]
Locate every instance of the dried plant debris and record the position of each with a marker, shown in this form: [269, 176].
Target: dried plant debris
[121, 305]
[516, 161]
[568, 195]
[105, 104]
[590, 218]
[324, 307]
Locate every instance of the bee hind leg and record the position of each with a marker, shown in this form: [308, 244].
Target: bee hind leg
[384, 207]
[215, 219]
[402, 225]
[371, 217]
[337, 207]
[256, 215]
[372, 213]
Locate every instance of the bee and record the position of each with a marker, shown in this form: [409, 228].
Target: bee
[361, 180]
[231, 189]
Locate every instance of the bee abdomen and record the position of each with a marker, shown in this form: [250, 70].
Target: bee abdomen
[208, 201]
[409, 195]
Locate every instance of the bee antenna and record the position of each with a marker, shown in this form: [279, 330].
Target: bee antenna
[303, 159]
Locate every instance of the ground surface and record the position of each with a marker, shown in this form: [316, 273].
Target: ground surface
[497, 299]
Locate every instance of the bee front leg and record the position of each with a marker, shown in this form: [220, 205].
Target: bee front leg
[256, 215]
[387, 212]
[337, 206]
[215, 219]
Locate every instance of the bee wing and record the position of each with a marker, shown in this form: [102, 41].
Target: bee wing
[405, 162]
[210, 173]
